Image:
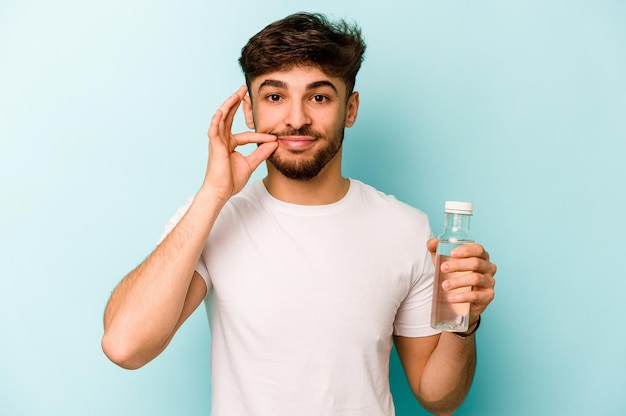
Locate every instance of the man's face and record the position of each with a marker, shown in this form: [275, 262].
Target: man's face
[308, 111]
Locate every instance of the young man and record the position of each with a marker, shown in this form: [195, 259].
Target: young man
[308, 276]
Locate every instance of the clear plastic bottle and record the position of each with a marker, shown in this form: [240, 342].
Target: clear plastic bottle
[448, 316]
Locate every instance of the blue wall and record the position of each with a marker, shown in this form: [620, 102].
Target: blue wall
[517, 106]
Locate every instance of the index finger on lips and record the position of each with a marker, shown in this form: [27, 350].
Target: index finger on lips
[252, 137]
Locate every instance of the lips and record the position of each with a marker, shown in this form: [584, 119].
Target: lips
[296, 142]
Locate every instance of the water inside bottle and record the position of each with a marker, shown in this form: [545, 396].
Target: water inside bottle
[447, 316]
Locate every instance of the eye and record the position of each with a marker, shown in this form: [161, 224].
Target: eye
[319, 98]
[274, 98]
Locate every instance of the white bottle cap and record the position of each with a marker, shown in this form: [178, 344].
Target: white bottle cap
[456, 207]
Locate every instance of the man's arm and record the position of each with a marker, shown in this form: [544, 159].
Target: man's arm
[152, 301]
[440, 368]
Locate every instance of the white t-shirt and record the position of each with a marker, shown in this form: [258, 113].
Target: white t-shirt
[303, 301]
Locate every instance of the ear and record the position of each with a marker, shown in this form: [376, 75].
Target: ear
[352, 109]
[247, 111]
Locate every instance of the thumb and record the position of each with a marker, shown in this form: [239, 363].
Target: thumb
[260, 154]
[432, 245]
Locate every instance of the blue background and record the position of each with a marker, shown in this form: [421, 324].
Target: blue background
[517, 106]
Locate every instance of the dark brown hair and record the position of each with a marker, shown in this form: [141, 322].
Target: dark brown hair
[304, 39]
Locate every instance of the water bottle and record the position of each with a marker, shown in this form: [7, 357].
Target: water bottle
[448, 316]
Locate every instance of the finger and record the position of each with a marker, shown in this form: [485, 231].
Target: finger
[234, 99]
[218, 126]
[229, 109]
[474, 282]
[470, 250]
[469, 279]
[253, 137]
[260, 154]
[214, 127]
[479, 299]
[432, 245]
[472, 264]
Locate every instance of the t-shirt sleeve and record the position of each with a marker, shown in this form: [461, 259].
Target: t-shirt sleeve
[201, 267]
[413, 316]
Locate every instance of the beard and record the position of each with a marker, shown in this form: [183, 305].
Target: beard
[306, 169]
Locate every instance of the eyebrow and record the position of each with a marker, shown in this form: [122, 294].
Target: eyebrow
[280, 84]
[272, 83]
[323, 83]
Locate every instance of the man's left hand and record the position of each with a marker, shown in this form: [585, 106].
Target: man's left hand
[473, 259]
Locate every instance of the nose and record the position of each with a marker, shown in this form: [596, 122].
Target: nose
[297, 115]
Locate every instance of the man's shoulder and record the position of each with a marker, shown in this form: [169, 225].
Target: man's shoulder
[388, 203]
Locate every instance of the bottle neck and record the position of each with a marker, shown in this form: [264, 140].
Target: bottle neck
[458, 222]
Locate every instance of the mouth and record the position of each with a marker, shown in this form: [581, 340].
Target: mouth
[296, 142]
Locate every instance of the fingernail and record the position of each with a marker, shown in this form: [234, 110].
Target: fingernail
[446, 285]
[445, 267]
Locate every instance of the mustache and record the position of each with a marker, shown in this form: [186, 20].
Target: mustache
[303, 131]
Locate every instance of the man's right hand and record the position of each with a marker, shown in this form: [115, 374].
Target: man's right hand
[228, 171]
[152, 301]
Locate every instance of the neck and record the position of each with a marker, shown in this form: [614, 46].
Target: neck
[326, 188]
